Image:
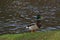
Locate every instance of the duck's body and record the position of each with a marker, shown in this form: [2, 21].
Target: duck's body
[32, 27]
[35, 26]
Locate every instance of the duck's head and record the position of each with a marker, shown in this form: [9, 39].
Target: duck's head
[38, 16]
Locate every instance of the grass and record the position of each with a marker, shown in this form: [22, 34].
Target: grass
[48, 35]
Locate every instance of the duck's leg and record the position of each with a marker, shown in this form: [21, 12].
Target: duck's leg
[32, 31]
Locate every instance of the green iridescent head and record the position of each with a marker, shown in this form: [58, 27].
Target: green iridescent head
[38, 17]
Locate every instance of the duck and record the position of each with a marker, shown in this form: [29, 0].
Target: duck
[34, 26]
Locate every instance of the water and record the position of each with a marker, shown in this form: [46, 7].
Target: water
[18, 12]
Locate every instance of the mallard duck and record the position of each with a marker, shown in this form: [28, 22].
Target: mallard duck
[34, 26]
